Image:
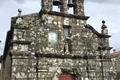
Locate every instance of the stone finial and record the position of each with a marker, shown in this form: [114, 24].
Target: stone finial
[19, 12]
[104, 28]
[103, 25]
[19, 19]
[103, 22]
[114, 50]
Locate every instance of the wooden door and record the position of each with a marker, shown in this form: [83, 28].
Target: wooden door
[66, 77]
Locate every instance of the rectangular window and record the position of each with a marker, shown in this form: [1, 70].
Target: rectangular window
[67, 32]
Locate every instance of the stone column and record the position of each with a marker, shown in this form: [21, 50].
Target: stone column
[46, 5]
[64, 8]
[79, 7]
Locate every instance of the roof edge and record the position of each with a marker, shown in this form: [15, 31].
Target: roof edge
[96, 32]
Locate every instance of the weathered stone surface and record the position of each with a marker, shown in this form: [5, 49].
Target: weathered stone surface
[44, 45]
[83, 42]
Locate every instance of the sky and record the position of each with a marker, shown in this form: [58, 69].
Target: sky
[98, 10]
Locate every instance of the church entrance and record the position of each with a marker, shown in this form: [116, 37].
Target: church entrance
[66, 77]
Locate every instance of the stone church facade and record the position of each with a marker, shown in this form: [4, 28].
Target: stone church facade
[52, 45]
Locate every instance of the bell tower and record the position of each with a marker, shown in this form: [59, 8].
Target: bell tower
[64, 5]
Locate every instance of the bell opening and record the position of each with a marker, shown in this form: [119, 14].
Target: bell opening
[56, 8]
[70, 10]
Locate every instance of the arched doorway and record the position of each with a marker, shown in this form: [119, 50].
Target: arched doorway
[66, 77]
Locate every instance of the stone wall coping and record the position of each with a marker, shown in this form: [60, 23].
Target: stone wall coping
[63, 14]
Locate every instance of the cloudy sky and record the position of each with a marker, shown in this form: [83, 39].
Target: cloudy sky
[98, 10]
